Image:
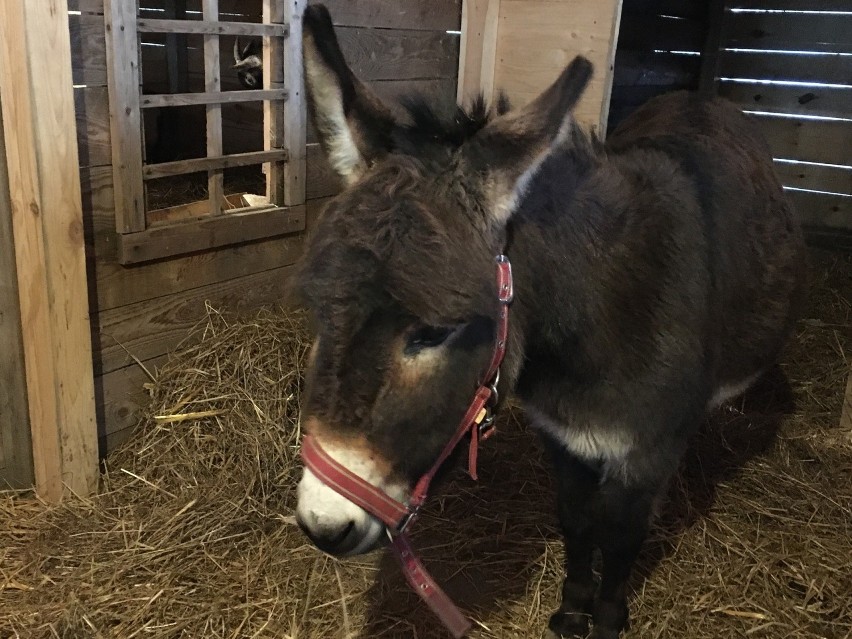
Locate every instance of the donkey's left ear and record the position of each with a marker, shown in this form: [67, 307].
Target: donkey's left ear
[510, 150]
[354, 127]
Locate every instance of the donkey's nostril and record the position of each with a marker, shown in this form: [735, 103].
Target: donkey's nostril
[334, 540]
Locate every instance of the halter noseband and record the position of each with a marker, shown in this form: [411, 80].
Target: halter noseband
[478, 420]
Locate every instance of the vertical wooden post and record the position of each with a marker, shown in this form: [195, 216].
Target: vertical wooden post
[213, 84]
[125, 119]
[478, 49]
[47, 223]
[285, 125]
[708, 81]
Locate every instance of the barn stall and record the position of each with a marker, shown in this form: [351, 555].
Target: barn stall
[194, 198]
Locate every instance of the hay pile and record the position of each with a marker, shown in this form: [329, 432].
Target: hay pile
[193, 534]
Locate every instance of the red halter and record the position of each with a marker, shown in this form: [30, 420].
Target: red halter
[478, 421]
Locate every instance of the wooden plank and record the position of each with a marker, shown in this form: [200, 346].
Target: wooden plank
[823, 211]
[429, 15]
[88, 50]
[16, 451]
[154, 327]
[86, 6]
[808, 32]
[478, 49]
[220, 97]
[38, 117]
[822, 101]
[831, 68]
[537, 40]
[716, 33]
[123, 398]
[124, 115]
[818, 178]
[397, 54]
[212, 86]
[180, 167]
[800, 5]
[810, 140]
[289, 186]
[91, 106]
[208, 233]
[210, 27]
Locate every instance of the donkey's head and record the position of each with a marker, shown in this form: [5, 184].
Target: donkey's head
[400, 278]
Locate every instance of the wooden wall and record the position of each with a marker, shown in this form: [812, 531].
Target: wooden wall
[659, 47]
[16, 463]
[143, 312]
[803, 101]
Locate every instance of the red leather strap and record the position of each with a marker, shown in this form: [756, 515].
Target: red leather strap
[354, 488]
[428, 589]
[396, 515]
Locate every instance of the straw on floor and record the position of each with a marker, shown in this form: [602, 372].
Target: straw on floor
[193, 532]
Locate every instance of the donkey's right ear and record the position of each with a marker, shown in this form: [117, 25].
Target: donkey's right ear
[354, 127]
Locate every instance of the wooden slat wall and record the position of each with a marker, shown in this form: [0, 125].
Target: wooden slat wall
[804, 100]
[658, 43]
[397, 45]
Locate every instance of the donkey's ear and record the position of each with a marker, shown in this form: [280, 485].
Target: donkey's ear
[510, 150]
[354, 127]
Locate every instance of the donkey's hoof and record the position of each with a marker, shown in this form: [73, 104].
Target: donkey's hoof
[568, 624]
[600, 632]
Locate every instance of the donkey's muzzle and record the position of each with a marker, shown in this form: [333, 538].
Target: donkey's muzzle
[335, 540]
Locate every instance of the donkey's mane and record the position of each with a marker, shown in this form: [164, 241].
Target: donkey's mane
[448, 129]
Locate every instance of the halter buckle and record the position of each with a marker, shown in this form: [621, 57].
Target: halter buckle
[407, 519]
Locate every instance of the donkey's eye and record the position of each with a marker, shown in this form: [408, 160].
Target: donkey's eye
[429, 337]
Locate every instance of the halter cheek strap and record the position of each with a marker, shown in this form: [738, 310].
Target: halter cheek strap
[477, 421]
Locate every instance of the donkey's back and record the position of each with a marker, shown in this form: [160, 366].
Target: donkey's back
[752, 242]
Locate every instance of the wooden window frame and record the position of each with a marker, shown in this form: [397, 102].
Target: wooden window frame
[284, 118]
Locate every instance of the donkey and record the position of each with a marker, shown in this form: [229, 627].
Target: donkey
[655, 277]
[248, 63]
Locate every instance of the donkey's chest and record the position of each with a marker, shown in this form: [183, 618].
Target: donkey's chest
[586, 438]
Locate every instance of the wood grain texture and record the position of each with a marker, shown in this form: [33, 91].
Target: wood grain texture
[124, 114]
[180, 167]
[810, 140]
[477, 49]
[537, 39]
[212, 85]
[428, 15]
[155, 327]
[817, 178]
[86, 6]
[88, 49]
[44, 187]
[217, 97]
[286, 184]
[16, 452]
[210, 27]
[830, 68]
[821, 101]
[91, 108]
[823, 211]
[203, 234]
[808, 32]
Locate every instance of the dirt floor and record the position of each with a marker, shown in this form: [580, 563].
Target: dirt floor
[193, 534]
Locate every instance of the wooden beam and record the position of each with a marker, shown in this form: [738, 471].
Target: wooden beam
[208, 233]
[287, 128]
[47, 221]
[711, 54]
[211, 27]
[122, 50]
[219, 97]
[212, 85]
[478, 50]
[181, 167]
[16, 449]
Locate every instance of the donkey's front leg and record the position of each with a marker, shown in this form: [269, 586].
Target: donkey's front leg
[576, 485]
[622, 515]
